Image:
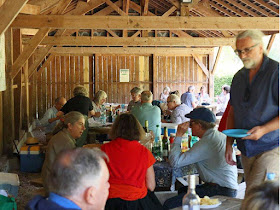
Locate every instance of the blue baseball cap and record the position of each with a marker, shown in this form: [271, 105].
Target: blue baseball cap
[202, 114]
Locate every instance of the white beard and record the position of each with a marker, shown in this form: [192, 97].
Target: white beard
[248, 63]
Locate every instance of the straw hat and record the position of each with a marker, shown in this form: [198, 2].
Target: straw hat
[31, 141]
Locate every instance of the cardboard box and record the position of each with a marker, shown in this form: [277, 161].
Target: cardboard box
[171, 127]
[10, 183]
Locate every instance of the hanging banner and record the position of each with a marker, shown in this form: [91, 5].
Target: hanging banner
[124, 75]
[2, 63]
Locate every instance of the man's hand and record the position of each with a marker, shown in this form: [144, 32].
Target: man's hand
[228, 155]
[182, 129]
[255, 133]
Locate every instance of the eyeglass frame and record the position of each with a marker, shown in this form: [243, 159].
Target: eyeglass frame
[246, 50]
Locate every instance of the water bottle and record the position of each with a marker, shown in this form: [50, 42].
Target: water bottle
[191, 200]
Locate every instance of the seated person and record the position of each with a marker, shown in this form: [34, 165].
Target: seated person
[136, 98]
[223, 100]
[178, 110]
[132, 176]
[202, 97]
[79, 180]
[188, 98]
[50, 119]
[80, 103]
[98, 103]
[65, 134]
[163, 96]
[148, 112]
[176, 92]
[208, 156]
[263, 196]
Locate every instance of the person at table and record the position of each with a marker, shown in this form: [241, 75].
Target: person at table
[202, 97]
[164, 95]
[148, 112]
[254, 104]
[81, 103]
[70, 128]
[79, 180]
[207, 155]
[136, 98]
[132, 176]
[98, 103]
[50, 119]
[188, 98]
[223, 100]
[178, 110]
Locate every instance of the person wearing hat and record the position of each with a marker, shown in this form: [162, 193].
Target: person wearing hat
[207, 155]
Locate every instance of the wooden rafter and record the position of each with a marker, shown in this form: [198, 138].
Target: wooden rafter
[202, 66]
[271, 40]
[115, 7]
[146, 22]
[170, 11]
[35, 41]
[267, 5]
[217, 60]
[30, 9]
[83, 7]
[130, 50]
[9, 10]
[147, 41]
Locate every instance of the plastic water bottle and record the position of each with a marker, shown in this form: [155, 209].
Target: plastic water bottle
[103, 118]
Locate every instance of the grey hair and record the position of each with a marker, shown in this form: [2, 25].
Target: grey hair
[263, 196]
[70, 117]
[255, 35]
[75, 170]
[80, 90]
[99, 96]
[174, 97]
[57, 100]
[146, 96]
[166, 89]
[191, 88]
[136, 90]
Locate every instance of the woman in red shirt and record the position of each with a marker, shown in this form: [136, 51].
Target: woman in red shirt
[132, 176]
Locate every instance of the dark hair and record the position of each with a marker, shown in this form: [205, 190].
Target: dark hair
[227, 88]
[73, 169]
[205, 125]
[126, 126]
[264, 196]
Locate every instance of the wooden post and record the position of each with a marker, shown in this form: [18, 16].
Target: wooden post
[86, 72]
[25, 122]
[211, 75]
[1, 124]
[8, 98]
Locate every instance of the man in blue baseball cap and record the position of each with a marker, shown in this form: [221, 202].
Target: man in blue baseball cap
[207, 155]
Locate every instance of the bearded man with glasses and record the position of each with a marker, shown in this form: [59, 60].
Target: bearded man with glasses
[254, 100]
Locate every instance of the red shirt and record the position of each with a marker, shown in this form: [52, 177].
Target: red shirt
[128, 164]
[223, 122]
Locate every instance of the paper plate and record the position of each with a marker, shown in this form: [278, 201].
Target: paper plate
[237, 133]
[210, 206]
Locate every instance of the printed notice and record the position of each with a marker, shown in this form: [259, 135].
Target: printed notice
[124, 75]
[2, 63]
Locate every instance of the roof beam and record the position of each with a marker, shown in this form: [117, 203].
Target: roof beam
[146, 22]
[130, 50]
[31, 9]
[129, 41]
[115, 7]
[9, 10]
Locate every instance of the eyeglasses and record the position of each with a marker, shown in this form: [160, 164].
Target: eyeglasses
[247, 94]
[246, 50]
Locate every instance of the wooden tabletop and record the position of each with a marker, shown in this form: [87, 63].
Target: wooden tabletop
[227, 203]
